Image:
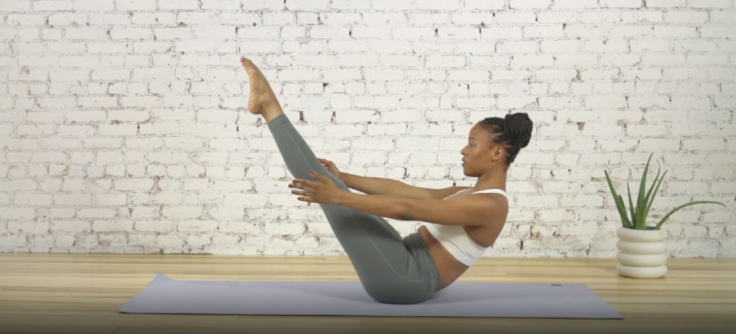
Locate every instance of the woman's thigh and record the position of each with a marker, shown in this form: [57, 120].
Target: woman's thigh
[391, 268]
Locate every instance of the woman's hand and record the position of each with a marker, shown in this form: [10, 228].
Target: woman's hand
[321, 191]
[330, 167]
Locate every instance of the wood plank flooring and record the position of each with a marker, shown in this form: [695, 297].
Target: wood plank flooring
[80, 293]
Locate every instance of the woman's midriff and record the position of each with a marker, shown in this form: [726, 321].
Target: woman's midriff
[448, 267]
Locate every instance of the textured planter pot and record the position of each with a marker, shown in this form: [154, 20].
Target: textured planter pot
[641, 253]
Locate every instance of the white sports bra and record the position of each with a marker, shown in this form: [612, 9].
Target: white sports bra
[456, 240]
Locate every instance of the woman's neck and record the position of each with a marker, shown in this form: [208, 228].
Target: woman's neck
[491, 180]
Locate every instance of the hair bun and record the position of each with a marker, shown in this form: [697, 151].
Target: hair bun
[519, 128]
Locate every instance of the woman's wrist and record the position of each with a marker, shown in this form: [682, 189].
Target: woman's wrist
[344, 178]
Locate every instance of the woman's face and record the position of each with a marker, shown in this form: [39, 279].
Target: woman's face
[480, 154]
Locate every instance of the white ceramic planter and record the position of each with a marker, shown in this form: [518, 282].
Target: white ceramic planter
[641, 253]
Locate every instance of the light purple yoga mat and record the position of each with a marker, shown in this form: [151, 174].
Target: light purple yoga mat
[506, 300]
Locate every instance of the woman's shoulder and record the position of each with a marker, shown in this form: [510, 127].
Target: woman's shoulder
[490, 192]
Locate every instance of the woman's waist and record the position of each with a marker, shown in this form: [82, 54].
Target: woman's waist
[439, 253]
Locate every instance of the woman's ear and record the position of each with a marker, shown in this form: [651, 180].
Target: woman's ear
[498, 152]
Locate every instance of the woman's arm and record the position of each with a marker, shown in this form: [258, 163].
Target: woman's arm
[389, 206]
[324, 190]
[370, 185]
[473, 210]
[381, 186]
[470, 211]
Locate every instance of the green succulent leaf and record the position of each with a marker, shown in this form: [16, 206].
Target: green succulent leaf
[632, 208]
[683, 206]
[622, 212]
[654, 193]
[640, 201]
[619, 202]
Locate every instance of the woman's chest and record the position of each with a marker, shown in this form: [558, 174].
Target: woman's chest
[483, 235]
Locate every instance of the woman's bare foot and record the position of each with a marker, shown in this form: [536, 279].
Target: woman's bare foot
[262, 100]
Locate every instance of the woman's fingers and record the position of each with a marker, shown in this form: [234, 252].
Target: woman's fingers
[304, 193]
[303, 184]
[299, 192]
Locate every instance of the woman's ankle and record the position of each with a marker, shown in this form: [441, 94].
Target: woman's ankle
[270, 113]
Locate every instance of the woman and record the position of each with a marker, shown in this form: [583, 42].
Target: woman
[391, 269]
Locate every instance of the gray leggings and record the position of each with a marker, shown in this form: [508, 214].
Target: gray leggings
[391, 269]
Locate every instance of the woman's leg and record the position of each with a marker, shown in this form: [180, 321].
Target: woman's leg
[387, 268]
[391, 270]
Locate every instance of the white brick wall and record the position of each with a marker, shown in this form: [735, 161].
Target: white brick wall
[123, 127]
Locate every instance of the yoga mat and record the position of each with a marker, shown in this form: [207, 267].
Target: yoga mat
[507, 300]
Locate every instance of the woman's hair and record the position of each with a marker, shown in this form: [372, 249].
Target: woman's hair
[513, 132]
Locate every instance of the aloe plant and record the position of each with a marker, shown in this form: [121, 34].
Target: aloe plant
[644, 202]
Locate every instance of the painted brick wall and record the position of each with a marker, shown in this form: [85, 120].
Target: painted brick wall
[123, 127]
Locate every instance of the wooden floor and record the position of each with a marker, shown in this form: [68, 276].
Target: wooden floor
[80, 293]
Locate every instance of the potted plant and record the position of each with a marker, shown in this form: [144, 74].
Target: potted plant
[641, 248]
